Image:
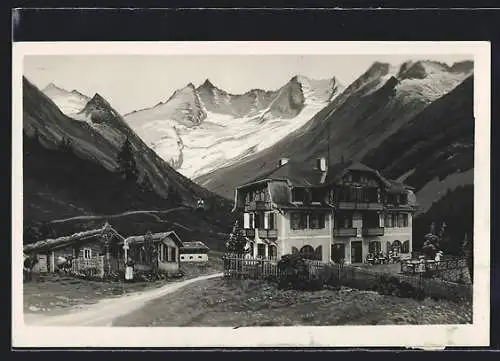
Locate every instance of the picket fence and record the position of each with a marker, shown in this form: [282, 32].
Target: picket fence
[259, 268]
[265, 268]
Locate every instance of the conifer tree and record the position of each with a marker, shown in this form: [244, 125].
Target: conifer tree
[237, 242]
[126, 162]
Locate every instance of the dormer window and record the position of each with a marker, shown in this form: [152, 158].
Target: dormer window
[298, 195]
[317, 195]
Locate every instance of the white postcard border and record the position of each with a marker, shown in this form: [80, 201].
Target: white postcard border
[428, 336]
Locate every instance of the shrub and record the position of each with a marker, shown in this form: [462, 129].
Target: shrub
[294, 273]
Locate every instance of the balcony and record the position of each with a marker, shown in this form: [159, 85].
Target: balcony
[248, 232]
[268, 233]
[257, 206]
[360, 205]
[373, 231]
[344, 232]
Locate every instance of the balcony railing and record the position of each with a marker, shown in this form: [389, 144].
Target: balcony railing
[248, 232]
[268, 233]
[373, 231]
[257, 206]
[344, 232]
[360, 205]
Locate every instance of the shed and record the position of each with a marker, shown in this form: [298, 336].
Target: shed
[195, 251]
[165, 246]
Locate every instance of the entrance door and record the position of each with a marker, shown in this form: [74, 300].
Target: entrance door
[338, 252]
[356, 252]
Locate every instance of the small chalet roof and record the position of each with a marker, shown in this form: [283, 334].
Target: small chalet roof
[196, 245]
[156, 237]
[64, 241]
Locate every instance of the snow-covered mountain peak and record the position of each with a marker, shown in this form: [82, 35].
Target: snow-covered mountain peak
[69, 102]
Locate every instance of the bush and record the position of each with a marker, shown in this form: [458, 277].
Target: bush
[294, 273]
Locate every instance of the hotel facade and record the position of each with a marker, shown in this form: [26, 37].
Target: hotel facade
[338, 213]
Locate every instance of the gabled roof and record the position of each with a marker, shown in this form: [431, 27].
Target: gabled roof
[156, 237]
[194, 245]
[297, 174]
[61, 242]
[305, 175]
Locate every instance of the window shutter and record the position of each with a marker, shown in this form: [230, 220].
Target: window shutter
[266, 220]
[246, 220]
[272, 221]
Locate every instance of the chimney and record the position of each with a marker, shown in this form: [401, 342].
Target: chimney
[321, 164]
[282, 161]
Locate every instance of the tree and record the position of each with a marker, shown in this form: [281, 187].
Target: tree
[237, 242]
[126, 162]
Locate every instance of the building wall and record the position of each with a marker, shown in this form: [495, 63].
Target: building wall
[194, 257]
[298, 238]
[168, 266]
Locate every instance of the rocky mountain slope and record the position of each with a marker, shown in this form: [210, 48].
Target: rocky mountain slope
[95, 136]
[201, 129]
[359, 120]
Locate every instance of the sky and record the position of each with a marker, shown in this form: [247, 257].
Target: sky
[133, 82]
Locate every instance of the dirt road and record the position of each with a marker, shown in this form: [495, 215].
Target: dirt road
[104, 312]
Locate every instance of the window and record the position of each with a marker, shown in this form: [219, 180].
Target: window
[199, 257]
[318, 253]
[261, 250]
[317, 221]
[307, 252]
[388, 220]
[405, 220]
[246, 220]
[164, 253]
[400, 221]
[344, 220]
[298, 221]
[182, 257]
[374, 247]
[298, 195]
[396, 246]
[251, 217]
[317, 195]
[190, 257]
[269, 221]
[173, 255]
[406, 247]
[259, 220]
[371, 220]
[87, 253]
[273, 251]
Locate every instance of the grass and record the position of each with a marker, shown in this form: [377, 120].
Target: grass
[219, 302]
[55, 294]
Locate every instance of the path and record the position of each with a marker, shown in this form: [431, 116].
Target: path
[128, 213]
[104, 312]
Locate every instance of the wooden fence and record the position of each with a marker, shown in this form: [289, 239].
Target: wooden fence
[259, 268]
[241, 267]
[366, 279]
[90, 266]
